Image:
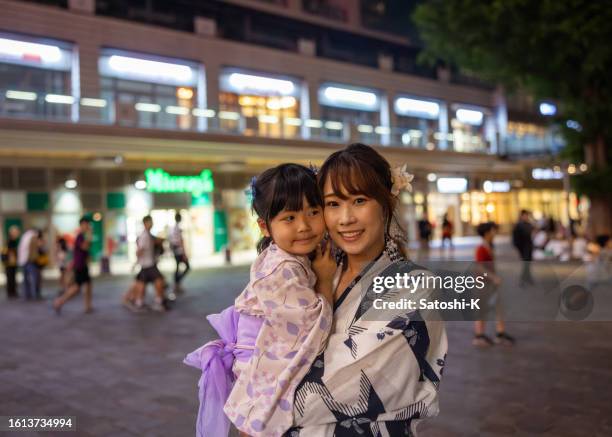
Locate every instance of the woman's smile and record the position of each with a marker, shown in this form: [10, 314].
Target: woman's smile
[350, 236]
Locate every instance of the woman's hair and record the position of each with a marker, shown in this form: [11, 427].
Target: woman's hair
[283, 188]
[359, 169]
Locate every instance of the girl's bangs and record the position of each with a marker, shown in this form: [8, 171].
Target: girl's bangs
[290, 193]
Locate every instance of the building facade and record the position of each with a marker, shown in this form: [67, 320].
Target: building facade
[119, 115]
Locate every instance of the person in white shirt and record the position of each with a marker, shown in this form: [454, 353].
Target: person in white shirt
[147, 249]
[177, 245]
[27, 254]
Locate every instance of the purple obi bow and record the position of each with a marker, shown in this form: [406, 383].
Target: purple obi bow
[215, 359]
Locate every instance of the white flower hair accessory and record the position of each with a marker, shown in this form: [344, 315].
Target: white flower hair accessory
[401, 180]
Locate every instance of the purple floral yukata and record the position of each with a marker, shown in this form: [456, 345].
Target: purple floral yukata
[293, 322]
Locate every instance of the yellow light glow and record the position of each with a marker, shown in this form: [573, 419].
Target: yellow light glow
[184, 93]
[418, 198]
[282, 103]
[490, 208]
[246, 101]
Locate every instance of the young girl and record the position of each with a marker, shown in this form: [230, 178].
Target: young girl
[279, 323]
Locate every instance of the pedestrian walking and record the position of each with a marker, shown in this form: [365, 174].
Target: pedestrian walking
[41, 261]
[485, 258]
[80, 267]
[447, 232]
[177, 245]
[9, 260]
[424, 229]
[63, 261]
[27, 255]
[522, 239]
[148, 250]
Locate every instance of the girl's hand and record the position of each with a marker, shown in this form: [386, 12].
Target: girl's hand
[325, 267]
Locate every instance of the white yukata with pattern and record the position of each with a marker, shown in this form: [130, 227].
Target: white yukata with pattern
[380, 373]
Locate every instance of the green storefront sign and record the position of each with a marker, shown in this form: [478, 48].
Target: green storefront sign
[160, 181]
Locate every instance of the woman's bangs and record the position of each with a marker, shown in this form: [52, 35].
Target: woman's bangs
[348, 177]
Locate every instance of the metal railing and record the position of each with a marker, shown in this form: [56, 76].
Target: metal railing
[30, 105]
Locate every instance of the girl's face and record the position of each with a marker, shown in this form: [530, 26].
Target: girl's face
[356, 224]
[296, 232]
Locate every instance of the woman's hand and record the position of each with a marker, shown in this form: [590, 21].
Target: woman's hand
[325, 267]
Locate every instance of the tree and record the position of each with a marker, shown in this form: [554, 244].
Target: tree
[554, 49]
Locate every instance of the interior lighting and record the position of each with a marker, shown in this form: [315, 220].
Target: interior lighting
[147, 107]
[262, 84]
[177, 110]
[95, 103]
[184, 93]
[317, 124]
[228, 115]
[470, 116]
[20, 95]
[333, 125]
[407, 106]
[58, 98]
[290, 121]
[345, 96]
[285, 102]
[145, 67]
[271, 119]
[548, 109]
[199, 112]
[30, 51]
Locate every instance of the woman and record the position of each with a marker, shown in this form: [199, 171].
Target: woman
[376, 377]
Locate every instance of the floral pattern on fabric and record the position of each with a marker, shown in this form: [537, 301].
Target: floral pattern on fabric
[296, 325]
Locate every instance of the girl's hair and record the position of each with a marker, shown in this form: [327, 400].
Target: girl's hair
[283, 188]
[359, 169]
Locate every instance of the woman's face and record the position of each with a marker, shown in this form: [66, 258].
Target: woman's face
[356, 224]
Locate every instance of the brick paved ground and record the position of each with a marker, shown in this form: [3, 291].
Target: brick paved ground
[120, 374]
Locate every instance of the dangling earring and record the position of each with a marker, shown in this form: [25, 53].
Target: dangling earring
[338, 254]
[391, 249]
